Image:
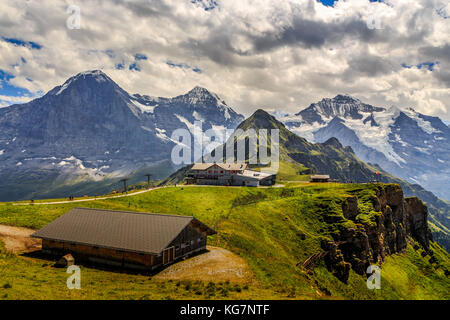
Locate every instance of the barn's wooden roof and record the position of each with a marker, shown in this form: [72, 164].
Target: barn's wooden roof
[120, 230]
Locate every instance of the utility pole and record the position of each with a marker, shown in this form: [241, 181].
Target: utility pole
[148, 175]
[125, 187]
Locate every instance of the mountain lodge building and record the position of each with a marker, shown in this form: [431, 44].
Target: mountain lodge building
[228, 174]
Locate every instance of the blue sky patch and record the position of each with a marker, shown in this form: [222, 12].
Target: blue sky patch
[7, 89]
[404, 65]
[134, 66]
[179, 65]
[22, 43]
[183, 66]
[426, 65]
[207, 5]
[328, 3]
[140, 56]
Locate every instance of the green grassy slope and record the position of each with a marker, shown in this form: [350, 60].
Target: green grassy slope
[272, 228]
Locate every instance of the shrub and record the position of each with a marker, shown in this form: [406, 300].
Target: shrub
[7, 286]
[198, 292]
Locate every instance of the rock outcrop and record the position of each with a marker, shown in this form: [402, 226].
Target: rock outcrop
[365, 239]
[417, 221]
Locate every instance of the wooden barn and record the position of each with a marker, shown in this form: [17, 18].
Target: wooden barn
[123, 238]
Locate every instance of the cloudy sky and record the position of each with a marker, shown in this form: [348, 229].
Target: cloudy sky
[269, 54]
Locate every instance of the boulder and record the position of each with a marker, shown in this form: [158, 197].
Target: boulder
[65, 261]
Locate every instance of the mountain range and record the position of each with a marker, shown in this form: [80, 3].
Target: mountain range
[90, 130]
[406, 143]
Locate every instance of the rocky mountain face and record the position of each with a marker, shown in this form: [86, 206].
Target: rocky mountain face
[368, 238]
[410, 145]
[91, 129]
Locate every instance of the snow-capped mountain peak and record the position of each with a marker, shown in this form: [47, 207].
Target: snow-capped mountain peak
[93, 76]
[97, 74]
[402, 141]
[199, 91]
[345, 97]
[200, 95]
[341, 105]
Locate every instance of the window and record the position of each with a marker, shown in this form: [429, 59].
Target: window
[177, 247]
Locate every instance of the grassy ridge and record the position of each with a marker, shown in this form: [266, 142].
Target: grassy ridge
[272, 228]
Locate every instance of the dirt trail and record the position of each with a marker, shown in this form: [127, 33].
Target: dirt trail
[18, 239]
[86, 200]
[215, 265]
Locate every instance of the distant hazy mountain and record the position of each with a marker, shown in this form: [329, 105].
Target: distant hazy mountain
[406, 143]
[91, 129]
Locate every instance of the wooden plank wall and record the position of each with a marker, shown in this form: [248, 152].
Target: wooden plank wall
[83, 252]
